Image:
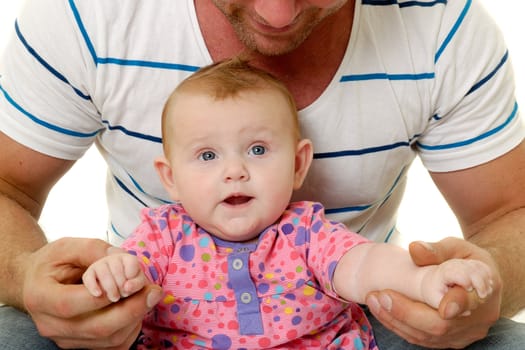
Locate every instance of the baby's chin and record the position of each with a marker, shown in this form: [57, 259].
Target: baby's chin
[238, 233]
[251, 238]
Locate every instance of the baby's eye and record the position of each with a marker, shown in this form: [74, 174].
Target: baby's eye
[258, 150]
[207, 155]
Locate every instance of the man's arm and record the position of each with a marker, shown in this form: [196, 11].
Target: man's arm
[488, 201]
[26, 178]
[41, 278]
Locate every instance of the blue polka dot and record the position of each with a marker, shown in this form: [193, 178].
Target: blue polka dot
[187, 229]
[296, 320]
[204, 242]
[358, 344]
[199, 342]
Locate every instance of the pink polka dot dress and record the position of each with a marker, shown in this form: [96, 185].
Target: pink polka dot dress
[275, 293]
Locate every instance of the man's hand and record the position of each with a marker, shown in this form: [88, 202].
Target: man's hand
[462, 317]
[66, 312]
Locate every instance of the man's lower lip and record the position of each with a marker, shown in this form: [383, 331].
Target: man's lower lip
[265, 29]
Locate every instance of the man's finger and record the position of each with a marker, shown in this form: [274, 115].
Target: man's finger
[411, 320]
[457, 301]
[78, 251]
[69, 300]
[424, 253]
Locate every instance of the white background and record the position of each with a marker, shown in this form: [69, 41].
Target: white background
[81, 211]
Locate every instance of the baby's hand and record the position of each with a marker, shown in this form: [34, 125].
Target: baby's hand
[118, 275]
[472, 275]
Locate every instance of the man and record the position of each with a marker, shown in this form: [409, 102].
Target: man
[376, 82]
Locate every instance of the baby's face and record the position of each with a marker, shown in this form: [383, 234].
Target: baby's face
[233, 161]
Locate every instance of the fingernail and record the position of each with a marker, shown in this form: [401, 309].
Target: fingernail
[153, 298]
[373, 304]
[386, 302]
[427, 246]
[451, 310]
[113, 298]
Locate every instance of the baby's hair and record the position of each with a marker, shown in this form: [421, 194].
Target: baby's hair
[228, 79]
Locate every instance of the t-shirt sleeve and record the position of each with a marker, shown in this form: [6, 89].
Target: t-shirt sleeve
[46, 82]
[476, 116]
[323, 243]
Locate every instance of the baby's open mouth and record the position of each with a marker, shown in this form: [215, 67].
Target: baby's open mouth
[237, 200]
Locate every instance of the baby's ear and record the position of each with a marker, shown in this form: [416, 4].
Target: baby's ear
[303, 158]
[164, 170]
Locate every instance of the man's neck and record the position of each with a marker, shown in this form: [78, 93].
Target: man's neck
[318, 56]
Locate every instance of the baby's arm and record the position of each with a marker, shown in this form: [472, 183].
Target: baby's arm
[118, 275]
[374, 266]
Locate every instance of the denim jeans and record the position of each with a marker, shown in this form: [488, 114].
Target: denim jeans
[18, 332]
[504, 335]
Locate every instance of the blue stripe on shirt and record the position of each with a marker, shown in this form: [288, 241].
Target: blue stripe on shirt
[53, 71]
[490, 75]
[122, 61]
[453, 31]
[474, 139]
[403, 4]
[131, 133]
[385, 76]
[359, 152]
[43, 122]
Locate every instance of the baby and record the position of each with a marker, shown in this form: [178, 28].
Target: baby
[240, 265]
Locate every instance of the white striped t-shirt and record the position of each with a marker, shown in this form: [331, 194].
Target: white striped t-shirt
[429, 78]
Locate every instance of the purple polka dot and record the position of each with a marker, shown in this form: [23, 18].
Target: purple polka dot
[317, 207]
[221, 342]
[153, 273]
[287, 229]
[302, 236]
[187, 252]
[175, 308]
[296, 320]
[290, 296]
[331, 269]
[298, 210]
[162, 224]
[316, 226]
[263, 288]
